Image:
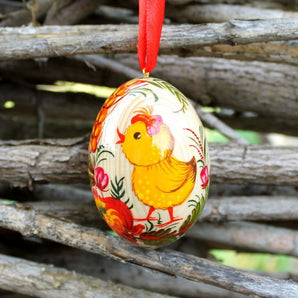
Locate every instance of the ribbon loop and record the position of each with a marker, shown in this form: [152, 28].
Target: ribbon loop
[151, 15]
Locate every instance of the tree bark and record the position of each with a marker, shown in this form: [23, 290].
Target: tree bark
[216, 210]
[277, 52]
[30, 278]
[55, 105]
[29, 222]
[223, 12]
[265, 88]
[261, 124]
[65, 161]
[55, 41]
[23, 16]
[251, 236]
[72, 13]
[108, 270]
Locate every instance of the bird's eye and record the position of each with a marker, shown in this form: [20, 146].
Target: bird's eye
[137, 135]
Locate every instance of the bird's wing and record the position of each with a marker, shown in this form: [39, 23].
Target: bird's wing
[171, 174]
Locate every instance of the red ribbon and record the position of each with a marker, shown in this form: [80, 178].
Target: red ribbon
[151, 15]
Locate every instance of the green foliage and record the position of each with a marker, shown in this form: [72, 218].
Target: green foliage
[117, 191]
[255, 261]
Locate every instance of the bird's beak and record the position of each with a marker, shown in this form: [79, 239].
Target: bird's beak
[121, 137]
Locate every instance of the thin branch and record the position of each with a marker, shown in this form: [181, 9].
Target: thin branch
[252, 236]
[102, 63]
[30, 278]
[213, 122]
[72, 13]
[209, 13]
[64, 161]
[24, 16]
[73, 202]
[252, 208]
[55, 41]
[29, 222]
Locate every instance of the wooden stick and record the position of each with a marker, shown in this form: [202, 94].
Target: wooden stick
[72, 13]
[252, 208]
[205, 81]
[210, 13]
[53, 41]
[71, 202]
[23, 16]
[64, 161]
[29, 222]
[244, 235]
[82, 262]
[213, 122]
[30, 278]
[261, 124]
[276, 52]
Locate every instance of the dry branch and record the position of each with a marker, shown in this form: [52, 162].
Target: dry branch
[223, 12]
[72, 13]
[261, 124]
[264, 88]
[55, 105]
[29, 222]
[30, 278]
[268, 3]
[253, 236]
[65, 161]
[252, 208]
[55, 41]
[70, 203]
[215, 123]
[22, 127]
[277, 52]
[23, 16]
[119, 272]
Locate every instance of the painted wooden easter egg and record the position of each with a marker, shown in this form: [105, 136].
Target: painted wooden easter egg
[148, 162]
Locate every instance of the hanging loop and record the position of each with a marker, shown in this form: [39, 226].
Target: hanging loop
[151, 15]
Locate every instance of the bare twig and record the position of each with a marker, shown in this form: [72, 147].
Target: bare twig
[53, 41]
[101, 62]
[29, 222]
[25, 162]
[213, 122]
[25, 277]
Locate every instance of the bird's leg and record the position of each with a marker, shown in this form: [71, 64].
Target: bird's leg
[172, 218]
[148, 216]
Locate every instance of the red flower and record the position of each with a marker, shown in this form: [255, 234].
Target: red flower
[118, 216]
[101, 179]
[204, 177]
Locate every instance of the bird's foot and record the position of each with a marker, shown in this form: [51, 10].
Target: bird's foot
[174, 219]
[149, 218]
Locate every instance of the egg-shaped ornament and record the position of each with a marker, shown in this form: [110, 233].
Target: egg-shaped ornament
[149, 162]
